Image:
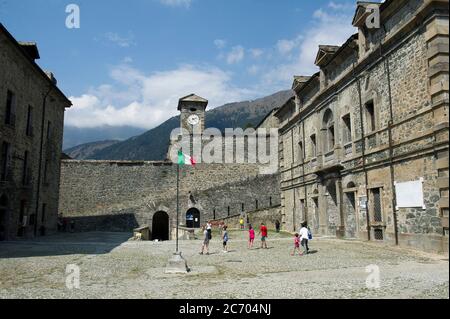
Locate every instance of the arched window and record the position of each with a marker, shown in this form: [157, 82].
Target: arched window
[351, 185]
[328, 129]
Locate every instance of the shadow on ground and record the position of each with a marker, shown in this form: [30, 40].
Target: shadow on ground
[92, 243]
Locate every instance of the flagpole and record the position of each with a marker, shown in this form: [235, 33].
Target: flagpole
[178, 200]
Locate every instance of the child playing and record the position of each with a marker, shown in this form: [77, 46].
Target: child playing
[263, 231]
[251, 233]
[296, 245]
[225, 239]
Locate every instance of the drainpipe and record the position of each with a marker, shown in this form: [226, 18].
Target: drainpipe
[292, 178]
[303, 171]
[363, 151]
[391, 151]
[41, 150]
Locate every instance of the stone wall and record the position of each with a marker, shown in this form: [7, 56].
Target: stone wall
[93, 192]
[268, 216]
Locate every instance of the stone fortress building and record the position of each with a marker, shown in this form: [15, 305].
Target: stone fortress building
[363, 148]
[122, 195]
[31, 130]
[367, 137]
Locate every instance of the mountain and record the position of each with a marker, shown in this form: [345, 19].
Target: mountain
[84, 151]
[74, 136]
[153, 145]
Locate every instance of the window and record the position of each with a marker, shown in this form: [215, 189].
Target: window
[377, 209]
[347, 129]
[6, 149]
[256, 204]
[10, 108]
[331, 139]
[25, 168]
[29, 129]
[300, 152]
[313, 145]
[370, 117]
[328, 129]
[242, 208]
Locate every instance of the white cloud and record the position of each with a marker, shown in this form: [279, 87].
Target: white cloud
[145, 101]
[253, 70]
[341, 6]
[176, 3]
[286, 46]
[236, 55]
[127, 59]
[220, 44]
[121, 41]
[256, 53]
[330, 27]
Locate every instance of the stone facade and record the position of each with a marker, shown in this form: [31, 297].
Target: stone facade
[375, 115]
[31, 131]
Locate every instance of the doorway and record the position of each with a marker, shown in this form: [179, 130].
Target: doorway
[350, 221]
[316, 215]
[160, 226]
[193, 218]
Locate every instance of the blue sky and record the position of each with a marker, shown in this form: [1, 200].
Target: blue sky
[131, 60]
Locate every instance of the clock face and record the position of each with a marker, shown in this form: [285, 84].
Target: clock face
[193, 119]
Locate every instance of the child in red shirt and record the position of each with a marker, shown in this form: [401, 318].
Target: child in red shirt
[296, 245]
[263, 232]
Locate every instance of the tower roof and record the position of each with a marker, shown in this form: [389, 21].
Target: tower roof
[193, 98]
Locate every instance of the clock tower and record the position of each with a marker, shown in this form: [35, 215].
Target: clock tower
[192, 122]
[192, 118]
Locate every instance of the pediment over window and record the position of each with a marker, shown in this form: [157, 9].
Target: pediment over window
[325, 54]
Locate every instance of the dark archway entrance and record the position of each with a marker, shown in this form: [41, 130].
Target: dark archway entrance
[160, 226]
[193, 218]
[3, 216]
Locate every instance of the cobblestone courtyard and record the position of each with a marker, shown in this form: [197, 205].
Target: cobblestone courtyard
[113, 267]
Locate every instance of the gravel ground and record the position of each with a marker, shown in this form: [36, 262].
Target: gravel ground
[113, 267]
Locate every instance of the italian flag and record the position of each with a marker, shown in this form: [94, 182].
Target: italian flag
[184, 159]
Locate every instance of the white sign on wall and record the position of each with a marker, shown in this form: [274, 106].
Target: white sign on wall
[409, 194]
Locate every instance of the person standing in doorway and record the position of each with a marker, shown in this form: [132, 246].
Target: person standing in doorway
[277, 226]
[263, 233]
[304, 238]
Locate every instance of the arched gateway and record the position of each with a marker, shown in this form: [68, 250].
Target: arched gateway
[160, 226]
[193, 218]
